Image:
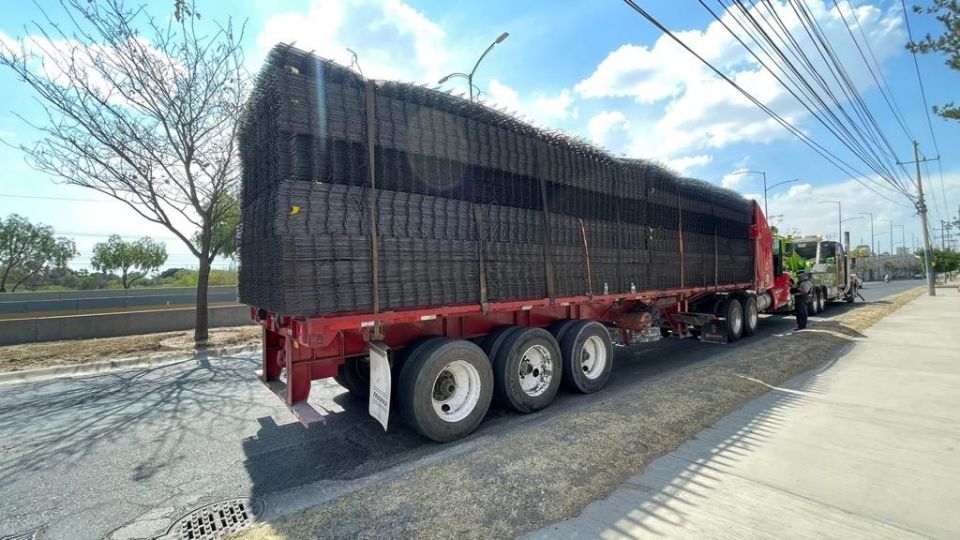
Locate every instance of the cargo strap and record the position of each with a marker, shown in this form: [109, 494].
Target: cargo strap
[683, 281]
[372, 195]
[586, 257]
[484, 299]
[547, 243]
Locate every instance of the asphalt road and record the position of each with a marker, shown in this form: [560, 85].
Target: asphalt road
[125, 454]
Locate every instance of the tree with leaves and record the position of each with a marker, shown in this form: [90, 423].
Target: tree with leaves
[143, 109]
[134, 260]
[948, 43]
[27, 250]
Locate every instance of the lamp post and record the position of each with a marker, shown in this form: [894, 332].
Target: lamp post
[469, 76]
[839, 218]
[766, 189]
[847, 246]
[872, 236]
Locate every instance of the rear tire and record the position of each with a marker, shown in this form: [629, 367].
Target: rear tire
[445, 389]
[354, 375]
[527, 370]
[751, 317]
[491, 344]
[560, 328]
[587, 354]
[733, 313]
[823, 300]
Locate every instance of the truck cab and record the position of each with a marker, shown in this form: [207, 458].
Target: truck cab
[826, 260]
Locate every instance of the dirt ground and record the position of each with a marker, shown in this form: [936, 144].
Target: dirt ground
[530, 478]
[58, 353]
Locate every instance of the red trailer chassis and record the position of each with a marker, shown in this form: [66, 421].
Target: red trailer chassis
[311, 348]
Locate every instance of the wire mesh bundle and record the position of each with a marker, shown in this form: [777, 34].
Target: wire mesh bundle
[457, 184]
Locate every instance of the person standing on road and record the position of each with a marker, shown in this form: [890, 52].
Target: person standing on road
[801, 295]
[857, 284]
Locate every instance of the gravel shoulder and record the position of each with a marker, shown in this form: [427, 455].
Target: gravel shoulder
[72, 352]
[546, 472]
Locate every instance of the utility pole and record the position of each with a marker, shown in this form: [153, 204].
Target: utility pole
[922, 207]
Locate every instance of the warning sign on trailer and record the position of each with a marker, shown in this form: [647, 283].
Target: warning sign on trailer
[379, 383]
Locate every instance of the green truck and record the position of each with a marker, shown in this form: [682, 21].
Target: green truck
[829, 267]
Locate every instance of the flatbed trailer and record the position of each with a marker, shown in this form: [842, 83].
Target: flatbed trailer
[442, 365]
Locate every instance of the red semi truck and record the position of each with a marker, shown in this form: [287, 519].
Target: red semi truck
[441, 366]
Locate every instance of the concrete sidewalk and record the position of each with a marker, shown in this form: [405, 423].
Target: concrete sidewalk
[867, 446]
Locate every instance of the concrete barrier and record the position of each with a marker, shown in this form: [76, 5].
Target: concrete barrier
[18, 331]
[79, 302]
[111, 293]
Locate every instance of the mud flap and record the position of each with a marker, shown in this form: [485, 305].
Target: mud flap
[379, 383]
[714, 331]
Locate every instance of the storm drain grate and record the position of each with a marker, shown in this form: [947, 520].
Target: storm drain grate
[216, 520]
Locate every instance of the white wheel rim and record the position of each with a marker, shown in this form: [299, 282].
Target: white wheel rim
[535, 370]
[736, 323]
[753, 316]
[456, 391]
[593, 357]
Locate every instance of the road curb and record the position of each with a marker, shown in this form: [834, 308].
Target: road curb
[119, 364]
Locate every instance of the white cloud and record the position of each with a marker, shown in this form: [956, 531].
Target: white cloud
[684, 164]
[694, 110]
[558, 107]
[548, 110]
[800, 210]
[392, 39]
[502, 96]
[610, 129]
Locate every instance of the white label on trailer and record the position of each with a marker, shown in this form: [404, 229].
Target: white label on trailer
[526, 308]
[379, 383]
[366, 324]
[428, 317]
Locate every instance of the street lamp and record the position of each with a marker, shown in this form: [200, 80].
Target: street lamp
[469, 76]
[872, 236]
[839, 218]
[767, 189]
[847, 246]
[903, 237]
[891, 233]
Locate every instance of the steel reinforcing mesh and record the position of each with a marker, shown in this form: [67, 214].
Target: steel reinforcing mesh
[456, 182]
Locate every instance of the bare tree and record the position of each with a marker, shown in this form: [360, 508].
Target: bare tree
[142, 109]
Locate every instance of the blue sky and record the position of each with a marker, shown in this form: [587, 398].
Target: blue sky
[592, 68]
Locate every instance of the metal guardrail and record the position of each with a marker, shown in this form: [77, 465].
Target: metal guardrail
[108, 293]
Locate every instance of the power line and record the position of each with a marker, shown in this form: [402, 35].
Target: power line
[823, 152]
[923, 95]
[820, 149]
[55, 198]
[901, 119]
[764, 39]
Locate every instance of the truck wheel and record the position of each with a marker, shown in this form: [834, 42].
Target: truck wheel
[559, 328]
[354, 375]
[491, 344]
[733, 313]
[814, 302]
[751, 318]
[445, 389]
[527, 370]
[587, 354]
[823, 300]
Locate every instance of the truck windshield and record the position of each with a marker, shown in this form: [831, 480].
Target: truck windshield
[806, 250]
